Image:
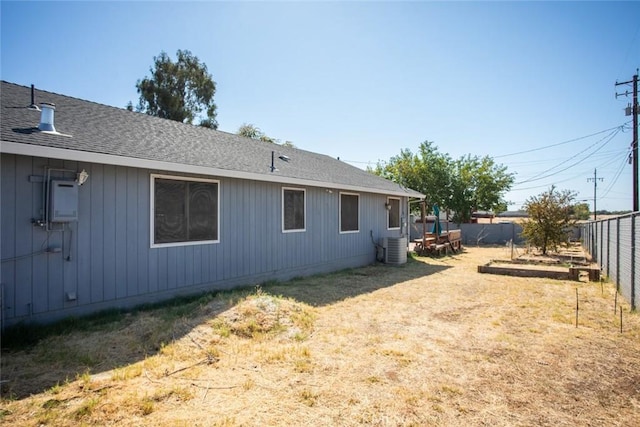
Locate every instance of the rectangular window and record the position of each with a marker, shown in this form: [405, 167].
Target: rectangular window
[393, 213]
[349, 213]
[185, 210]
[293, 209]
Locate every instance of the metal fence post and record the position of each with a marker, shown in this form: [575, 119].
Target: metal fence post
[624, 250]
[633, 261]
[608, 267]
[593, 241]
[601, 242]
[618, 255]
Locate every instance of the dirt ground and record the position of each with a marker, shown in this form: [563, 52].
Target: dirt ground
[429, 343]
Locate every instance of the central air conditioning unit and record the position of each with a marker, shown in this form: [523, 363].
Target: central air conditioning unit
[395, 250]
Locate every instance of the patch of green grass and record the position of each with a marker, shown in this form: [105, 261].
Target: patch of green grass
[302, 365]
[300, 337]
[308, 397]
[51, 403]
[147, 406]
[304, 319]
[450, 389]
[48, 416]
[60, 353]
[85, 377]
[221, 327]
[86, 408]
[127, 372]
[181, 394]
[56, 389]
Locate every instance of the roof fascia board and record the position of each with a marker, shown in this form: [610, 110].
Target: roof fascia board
[110, 159]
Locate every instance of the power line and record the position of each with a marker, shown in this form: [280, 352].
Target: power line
[616, 176]
[619, 127]
[615, 157]
[622, 127]
[538, 177]
[613, 134]
[547, 185]
[599, 159]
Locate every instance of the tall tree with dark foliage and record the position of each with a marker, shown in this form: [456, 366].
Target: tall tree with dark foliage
[182, 90]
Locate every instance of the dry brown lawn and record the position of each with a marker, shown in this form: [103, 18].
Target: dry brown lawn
[432, 342]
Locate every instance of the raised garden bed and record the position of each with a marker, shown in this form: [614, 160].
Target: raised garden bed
[568, 265]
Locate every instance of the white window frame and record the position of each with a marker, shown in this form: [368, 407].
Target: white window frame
[389, 213]
[304, 192]
[340, 213]
[152, 209]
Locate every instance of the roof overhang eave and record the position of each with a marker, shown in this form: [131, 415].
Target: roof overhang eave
[33, 150]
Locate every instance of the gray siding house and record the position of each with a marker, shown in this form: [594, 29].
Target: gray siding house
[107, 208]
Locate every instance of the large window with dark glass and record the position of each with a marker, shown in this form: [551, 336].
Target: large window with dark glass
[349, 213]
[185, 210]
[393, 213]
[293, 209]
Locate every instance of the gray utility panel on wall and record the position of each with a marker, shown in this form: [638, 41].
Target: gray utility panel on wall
[64, 201]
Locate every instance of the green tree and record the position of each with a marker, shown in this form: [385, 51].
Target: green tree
[249, 130]
[463, 185]
[580, 211]
[428, 171]
[550, 219]
[181, 91]
[479, 185]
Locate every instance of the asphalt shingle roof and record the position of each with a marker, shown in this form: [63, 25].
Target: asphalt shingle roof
[101, 129]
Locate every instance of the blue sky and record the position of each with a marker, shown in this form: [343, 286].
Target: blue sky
[363, 80]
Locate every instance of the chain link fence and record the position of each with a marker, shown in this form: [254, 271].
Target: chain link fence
[613, 243]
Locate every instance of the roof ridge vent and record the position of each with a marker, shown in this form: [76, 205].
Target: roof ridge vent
[46, 118]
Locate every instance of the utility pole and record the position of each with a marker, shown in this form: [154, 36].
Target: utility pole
[595, 185]
[634, 144]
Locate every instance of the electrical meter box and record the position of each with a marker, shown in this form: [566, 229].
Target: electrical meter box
[63, 205]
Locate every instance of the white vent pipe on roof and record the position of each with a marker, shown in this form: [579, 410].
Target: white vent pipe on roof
[46, 118]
